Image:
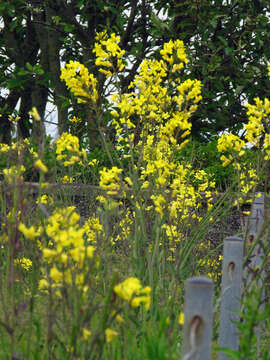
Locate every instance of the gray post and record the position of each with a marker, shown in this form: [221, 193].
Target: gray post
[253, 224]
[230, 294]
[198, 319]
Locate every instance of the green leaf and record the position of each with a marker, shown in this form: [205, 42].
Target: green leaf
[223, 40]
[29, 66]
[68, 28]
[228, 50]
[38, 70]
[213, 22]
[239, 89]
[14, 83]
[22, 72]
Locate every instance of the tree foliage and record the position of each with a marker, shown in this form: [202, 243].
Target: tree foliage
[38, 36]
[229, 46]
[227, 43]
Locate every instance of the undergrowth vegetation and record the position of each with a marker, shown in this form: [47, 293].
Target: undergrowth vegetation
[109, 285]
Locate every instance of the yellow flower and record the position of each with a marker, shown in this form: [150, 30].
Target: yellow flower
[44, 199]
[129, 181]
[109, 178]
[75, 119]
[67, 179]
[181, 318]
[90, 251]
[39, 164]
[4, 148]
[79, 81]
[107, 50]
[138, 300]
[24, 262]
[159, 203]
[110, 334]
[29, 233]
[49, 253]
[43, 284]
[93, 162]
[68, 149]
[119, 319]
[14, 173]
[55, 274]
[34, 113]
[13, 119]
[132, 291]
[86, 333]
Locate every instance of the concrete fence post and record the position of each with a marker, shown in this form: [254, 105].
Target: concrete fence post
[253, 225]
[232, 270]
[198, 322]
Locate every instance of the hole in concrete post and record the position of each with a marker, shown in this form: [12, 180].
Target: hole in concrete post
[231, 268]
[194, 330]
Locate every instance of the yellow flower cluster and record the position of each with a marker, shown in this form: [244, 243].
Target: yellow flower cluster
[93, 230]
[131, 290]
[266, 146]
[248, 180]
[257, 134]
[174, 53]
[39, 164]
[15, 152]
[158, 119]
[80, 82]
[152, 123]
[108, 54]
[159, 202]
[230, 141]
[25, 263]
[93, 162]
[68, 250]
[109, 180]
[256, 130]
[30, 233]
[155, 108]
[34, 113]
[181, 318]
[123, 228]
[18, 147]
[258, 114]
[4, 148]
[258, 126]
[75, 120]
[44, 199]
[213, 266]
[13, 119]
[86, 333]
[110, 334]
[67, 179]
[68, 149]
[14, 173]
[232, 145]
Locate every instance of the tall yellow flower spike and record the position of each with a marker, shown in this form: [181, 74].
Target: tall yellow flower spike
[80, 82]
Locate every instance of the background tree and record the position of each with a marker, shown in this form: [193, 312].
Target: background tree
[19, 54]
[56, 31]
[229, 46]
[227, 42]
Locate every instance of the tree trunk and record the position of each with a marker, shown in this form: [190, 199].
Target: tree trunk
[8, 106]
[54, 46]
